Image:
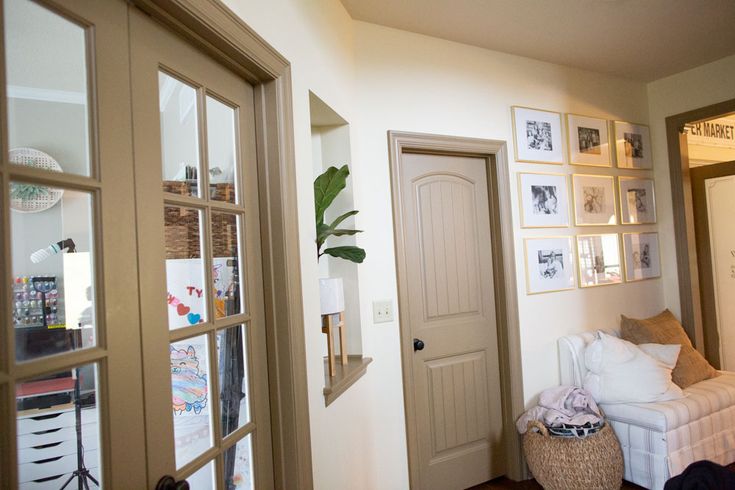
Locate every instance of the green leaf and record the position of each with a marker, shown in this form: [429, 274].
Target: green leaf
[351, 253]
[326, 187]
[343, 217]
[323, 232]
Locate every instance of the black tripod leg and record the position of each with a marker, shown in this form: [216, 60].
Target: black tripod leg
[68, 481]
[89, 475]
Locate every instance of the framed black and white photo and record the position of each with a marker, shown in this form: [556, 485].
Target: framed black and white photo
[599, 260]
[594, 200]
[642, 260]
[633, 145]
[549, 264]
[588, 141]
[537, 135]
[637, 201]
[544, 200]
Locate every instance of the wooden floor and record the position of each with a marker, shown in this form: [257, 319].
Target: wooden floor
[503, 483]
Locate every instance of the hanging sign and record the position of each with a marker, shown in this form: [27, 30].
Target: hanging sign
[717, 132]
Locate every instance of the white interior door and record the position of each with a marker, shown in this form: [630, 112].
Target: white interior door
[721, 213]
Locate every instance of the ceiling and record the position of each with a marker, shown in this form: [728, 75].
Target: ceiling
[638, 39]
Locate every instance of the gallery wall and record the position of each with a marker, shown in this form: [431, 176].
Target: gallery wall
[382, 79]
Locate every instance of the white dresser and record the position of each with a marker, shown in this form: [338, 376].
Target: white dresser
[47, 447]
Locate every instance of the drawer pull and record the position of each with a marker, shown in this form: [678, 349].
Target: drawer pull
[44, 446]
[42, 432]
[48, 478]
[47, 460]
[46, 417]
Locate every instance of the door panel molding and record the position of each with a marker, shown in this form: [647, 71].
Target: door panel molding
[496, 157]
[212, 27]
[704, 255]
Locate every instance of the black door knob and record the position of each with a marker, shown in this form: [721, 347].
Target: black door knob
[169, 483]
[418, 344]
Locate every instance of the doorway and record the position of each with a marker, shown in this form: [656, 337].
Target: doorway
[713, 190]
[458, 310]
[92, 378]
[699, 143]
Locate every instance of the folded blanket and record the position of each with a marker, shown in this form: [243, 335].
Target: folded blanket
[562, 405]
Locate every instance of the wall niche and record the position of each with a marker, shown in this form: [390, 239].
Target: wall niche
[330, 143]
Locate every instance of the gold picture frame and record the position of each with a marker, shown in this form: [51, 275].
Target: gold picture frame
[633, 148]
[548, 135]
[637, 205]
[591, 147]
[638, 258]
[527, 214]
[545, 254]
[594, 205]
[593, 266]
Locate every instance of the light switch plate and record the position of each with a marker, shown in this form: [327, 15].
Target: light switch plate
[382, 311]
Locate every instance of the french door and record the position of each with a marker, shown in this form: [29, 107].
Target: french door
[199, 248]
[133, 341]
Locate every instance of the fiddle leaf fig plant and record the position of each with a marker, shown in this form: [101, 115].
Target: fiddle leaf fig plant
[326, 188]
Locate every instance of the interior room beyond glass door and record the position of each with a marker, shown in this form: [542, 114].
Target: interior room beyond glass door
[66, 295]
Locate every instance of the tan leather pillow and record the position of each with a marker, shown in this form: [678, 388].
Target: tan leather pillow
[664, 328]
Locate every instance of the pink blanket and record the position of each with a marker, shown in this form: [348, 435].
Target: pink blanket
[562, 405]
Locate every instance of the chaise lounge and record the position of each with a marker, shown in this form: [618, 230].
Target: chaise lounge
[659, 440]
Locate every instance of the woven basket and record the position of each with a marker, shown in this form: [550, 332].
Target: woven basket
[47, 197]
[594, 462]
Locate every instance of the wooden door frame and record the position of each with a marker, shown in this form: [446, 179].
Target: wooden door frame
[684, 230]
[495, 154]
[704, 254]
[214, 28]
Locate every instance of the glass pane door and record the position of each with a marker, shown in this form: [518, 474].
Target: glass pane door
[204, 339]
[69, 367]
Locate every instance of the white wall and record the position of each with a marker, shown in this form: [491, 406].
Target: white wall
[382, 79]
[317, 39]
[686, 91]
[409, 82]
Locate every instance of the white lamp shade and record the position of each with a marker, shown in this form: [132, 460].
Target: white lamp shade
[332, 295]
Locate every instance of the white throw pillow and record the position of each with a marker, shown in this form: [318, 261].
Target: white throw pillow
[622, 372]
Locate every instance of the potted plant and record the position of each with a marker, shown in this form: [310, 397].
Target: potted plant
[326, 188]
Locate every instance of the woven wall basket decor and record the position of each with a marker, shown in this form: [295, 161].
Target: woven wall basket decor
[33, 198]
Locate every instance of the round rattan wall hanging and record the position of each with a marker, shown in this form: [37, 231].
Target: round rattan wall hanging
[33, 198]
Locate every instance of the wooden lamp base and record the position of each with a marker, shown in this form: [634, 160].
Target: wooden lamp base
[328, 327]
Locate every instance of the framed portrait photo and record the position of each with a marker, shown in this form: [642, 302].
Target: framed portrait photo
[537, 135]
[633, 145]
[599, 260]
[594, 200]
[588, 141]
[637, 201]
[549, 264]
[544, 200]
[642, 259]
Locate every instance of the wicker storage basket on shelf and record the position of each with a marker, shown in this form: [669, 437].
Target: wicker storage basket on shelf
[594, 462]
